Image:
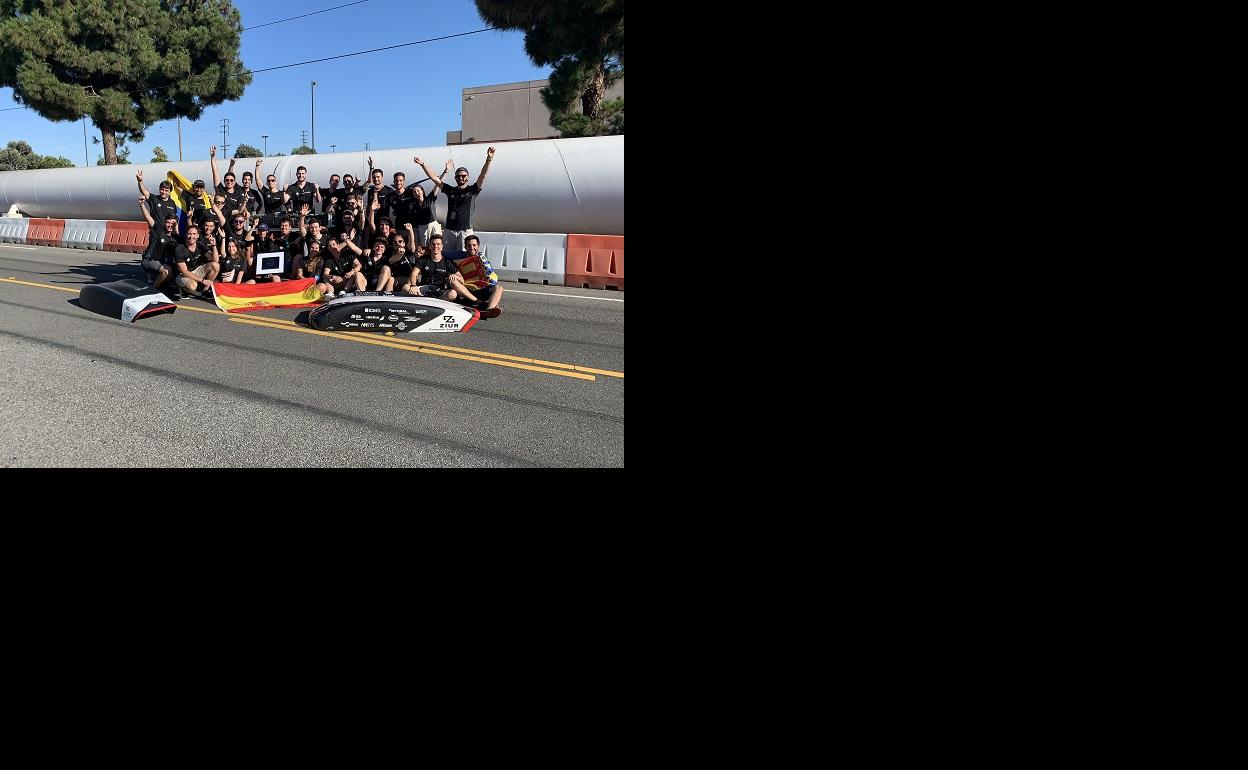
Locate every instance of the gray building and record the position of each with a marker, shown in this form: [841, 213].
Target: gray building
[509, 111]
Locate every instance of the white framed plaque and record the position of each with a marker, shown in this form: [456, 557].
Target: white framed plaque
[270, 263]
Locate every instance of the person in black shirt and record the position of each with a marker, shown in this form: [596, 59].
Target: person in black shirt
[158, 256]
[459, 201]
[252, 201]
[378, 191]
[331, 196]
[421, 208]
[313, 266]
[374, 266]
[196, 263]
[161, 205]
[232, 192]
[348, 228]
[431, 277]
[302, 191]
[273, 196]
[344, 267]
[286, 242]
[311, 232]
[233, 263]
[402, 259]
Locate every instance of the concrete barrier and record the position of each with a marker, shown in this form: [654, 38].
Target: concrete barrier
[45, 232]
[84, 233]
[595, 261]
[526, 257]
[13, 230]
[126, 236]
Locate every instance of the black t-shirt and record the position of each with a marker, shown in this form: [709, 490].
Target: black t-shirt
[407, 210]
[236, 263]
[233, 200]
[160, 209]
[459, 206]
[385, 195]
[272, 200]
[332, 192]
[323, 240]
[402, 268]
[161, 245]
[357, 239]
[341, 264]
[240, 239]
[311, 270]
[299, 197]
[372, 264]
[199, 256]
[435, 273]
[254, 202]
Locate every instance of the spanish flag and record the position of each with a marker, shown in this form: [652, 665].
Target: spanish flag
[242, 297]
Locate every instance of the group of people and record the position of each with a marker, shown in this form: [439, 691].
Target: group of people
[374, 238]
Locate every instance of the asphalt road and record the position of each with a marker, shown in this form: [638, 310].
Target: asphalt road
[201, 388]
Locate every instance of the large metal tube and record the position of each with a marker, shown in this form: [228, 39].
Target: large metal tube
[536, 186]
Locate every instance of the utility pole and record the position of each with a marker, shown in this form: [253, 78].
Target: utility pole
[225, 130]
[366, 146]
[313, 116]
[265, 137]
[303, 138]
[179, 139]
[333, 148]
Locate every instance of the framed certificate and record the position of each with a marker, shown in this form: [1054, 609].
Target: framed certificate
[270, 262]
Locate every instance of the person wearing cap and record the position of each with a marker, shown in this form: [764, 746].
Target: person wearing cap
[232, 192]
[197, 210]
[161, 205]
[459, 201]
[350, 229]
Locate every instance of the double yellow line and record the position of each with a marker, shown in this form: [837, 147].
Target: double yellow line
[401, 343]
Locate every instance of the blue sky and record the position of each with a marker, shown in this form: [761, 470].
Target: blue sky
[406, 97]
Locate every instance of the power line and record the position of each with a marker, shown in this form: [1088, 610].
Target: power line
[331, 58]
[372, 50]
[292, 18]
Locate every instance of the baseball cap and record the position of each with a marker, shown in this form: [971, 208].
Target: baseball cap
[199, 183]
[263, 227]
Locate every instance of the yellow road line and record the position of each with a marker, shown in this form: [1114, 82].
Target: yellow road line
[401, 343]
[388, 344]
[42, 285]
[410, 340]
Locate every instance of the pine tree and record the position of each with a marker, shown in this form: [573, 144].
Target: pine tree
[124, 63]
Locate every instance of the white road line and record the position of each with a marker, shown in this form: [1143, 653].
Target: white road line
[15, 246]
[510, 290]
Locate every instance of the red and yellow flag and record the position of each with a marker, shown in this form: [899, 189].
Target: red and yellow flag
[242, 297]
[476, 272]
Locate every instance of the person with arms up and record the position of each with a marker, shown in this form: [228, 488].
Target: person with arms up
[459, 201]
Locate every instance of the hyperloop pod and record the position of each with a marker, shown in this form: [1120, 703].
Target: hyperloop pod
[534, 186]
[127, 299]
[385, 311]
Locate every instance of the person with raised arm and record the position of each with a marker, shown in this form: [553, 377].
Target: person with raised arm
[459, 201]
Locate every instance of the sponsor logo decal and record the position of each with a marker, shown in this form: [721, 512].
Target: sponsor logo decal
[368, 326]
[372, 310]
[346, 324]
[400, 326]
[385, 326]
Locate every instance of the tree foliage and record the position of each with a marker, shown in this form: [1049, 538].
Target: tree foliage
[570, 124]
[583, 40]
[159, 156]
[19, 156]
[247, 151]
[302, 149]
[124, 63]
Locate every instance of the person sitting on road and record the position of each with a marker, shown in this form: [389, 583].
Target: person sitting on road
[233, 263]
[374, 267]
[313, 266]
[344, 266]
[157, 258]
[431, 274]
[196, 263]
[486, 298]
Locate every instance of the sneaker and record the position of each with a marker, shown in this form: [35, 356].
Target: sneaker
[493, 312]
